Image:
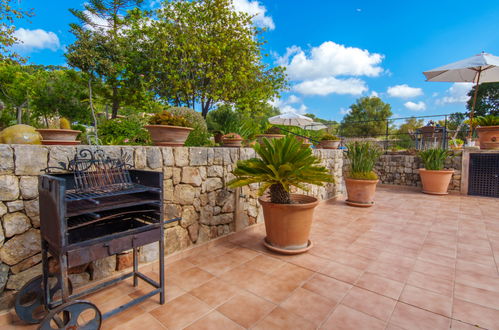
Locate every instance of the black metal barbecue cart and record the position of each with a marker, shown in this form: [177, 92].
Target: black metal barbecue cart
[99, 208]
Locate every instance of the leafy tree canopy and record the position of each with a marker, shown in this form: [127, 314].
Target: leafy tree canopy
[202, 52]
[10, 11]
[487, 101]
[367, 117]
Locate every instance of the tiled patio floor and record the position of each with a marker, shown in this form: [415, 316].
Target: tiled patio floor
[413, 261]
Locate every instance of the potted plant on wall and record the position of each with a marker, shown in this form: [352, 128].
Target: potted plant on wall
[434, 178]
[329, 141]
[488, 131]
[283, 163]
[232, 140]
[361, 180]
[63, 135]
[272, 133]
[456, 144]
[167, 129]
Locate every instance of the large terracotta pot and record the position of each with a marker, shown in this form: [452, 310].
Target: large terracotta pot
[435, 182]
[330, 144]
[168, 136]
[260, 137]
[488, 137]
[233, 143]
[288, 225]
[59, 136]
[360, 192]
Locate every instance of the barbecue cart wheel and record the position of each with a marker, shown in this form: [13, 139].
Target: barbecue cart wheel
[78, 314]
[30, 303]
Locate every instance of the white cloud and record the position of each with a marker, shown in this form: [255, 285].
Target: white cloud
[37, 39]
[374, 93]
[292, 104]
[330, 85]
[404, 91]
[101, 24]
[458, 93]
[420, 106]
[330, 59]
[254, 8]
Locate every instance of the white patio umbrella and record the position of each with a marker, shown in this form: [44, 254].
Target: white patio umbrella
[314, 126]
[290, 119]
[478, 69]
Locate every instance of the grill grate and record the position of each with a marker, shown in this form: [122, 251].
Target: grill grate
[484, 175]
[107, 191]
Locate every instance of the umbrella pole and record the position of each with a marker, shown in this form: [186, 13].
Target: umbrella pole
[473, 105]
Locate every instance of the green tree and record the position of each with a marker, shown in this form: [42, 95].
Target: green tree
[9, 13]
[16, 88]
[367, 117]
[101, 47]
[410, 125]
[487, 100]
[201, 53]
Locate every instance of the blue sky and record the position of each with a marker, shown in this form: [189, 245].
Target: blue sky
[335, 51]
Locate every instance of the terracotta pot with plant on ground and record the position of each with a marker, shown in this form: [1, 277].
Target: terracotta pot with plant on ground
[232, 140]
[329, 141]
[488, 131]
[361, 180]
[168, 130]
[63, 135]
[434, 178]
[283, 163]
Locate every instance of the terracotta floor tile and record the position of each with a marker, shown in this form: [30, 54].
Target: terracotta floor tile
[370, 303]
[171, 292]
[342, 272]
[327, 287]
[264, 263]
[427, 300]
[346, 318]
[391, 271]
[215, 292]
[272, 288]
[292, 273]
[477, 296]
[431, 283]
[472, 268]
[122, 317]
[437, 259]
[214, 320]
[457, 325]
[309, 305]
[280, 319]
[478, 281]
[191, 278]
[181, 311]
[352, 260]
[381, 285]
[178, 266]
[246, 309]
[308, 261]
[475, 314]
[143, 321]
[410, 317]
[242, 276]
[218, 265]
[438, 271]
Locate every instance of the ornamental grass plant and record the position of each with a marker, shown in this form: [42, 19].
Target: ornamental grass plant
[434, 158]
[362, 156]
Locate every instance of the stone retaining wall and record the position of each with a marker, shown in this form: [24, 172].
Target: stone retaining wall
[402, 170]
[194, 187]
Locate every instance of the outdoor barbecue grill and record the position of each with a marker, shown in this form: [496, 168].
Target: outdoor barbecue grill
[101, 207]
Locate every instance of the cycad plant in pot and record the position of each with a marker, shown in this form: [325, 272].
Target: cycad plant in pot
[361, 179]
[434, 178]
[488, 131]
[283, 163]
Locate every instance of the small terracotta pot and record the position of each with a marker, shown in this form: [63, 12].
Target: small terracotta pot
[288, 225]
[360, 192]
[58, 134]
[435, 182]
[218, 137]
[488, 137]
[260, 137]
[168, 136]
[232, 143]
[330, 144]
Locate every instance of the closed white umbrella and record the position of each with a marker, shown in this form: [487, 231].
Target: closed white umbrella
[478, 69]
[290, 119]
[314, 126]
